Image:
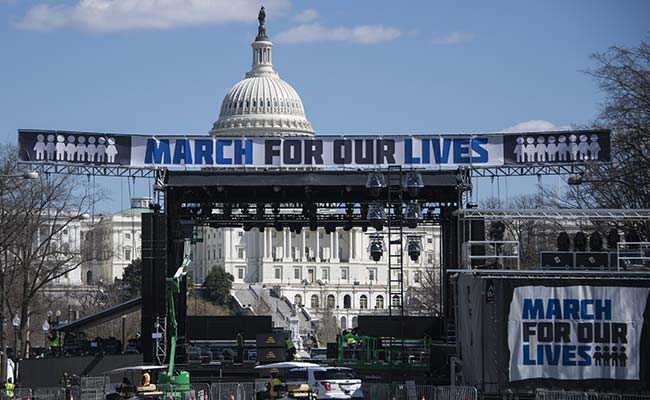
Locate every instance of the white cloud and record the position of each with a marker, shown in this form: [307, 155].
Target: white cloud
[453, 38]
[366, 34]
[306, 16]
[536, 125]
[121, 15]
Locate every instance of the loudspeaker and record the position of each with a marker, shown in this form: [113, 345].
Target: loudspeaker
[557, 260]
[592, 260]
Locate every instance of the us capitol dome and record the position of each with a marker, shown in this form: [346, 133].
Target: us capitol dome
[262, 104]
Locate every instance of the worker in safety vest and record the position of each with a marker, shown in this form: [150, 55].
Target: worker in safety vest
[291, 350]
[146, 379]
[55, 343]
[9, 389]
[275, 385]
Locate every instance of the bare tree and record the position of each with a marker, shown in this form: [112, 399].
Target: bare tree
[424, 298]
[328, 327]
[624, 76]
[35, 216]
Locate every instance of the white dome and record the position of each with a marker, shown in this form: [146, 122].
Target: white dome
[262, 104]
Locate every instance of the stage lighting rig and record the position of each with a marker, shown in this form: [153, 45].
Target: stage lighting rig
[376, 247]
[376, 215]
[412, 214]
[375, 183]
[412, 183]
[413, 247]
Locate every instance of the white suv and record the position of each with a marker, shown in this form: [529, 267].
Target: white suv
[327, 382]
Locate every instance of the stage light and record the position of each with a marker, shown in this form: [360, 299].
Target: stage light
[376, 215]
[244, 209]
[595, 242]
[563, 242]
[278, 226]
[276, 208]
[412, 214]
[260, 210]
[413, 248]
[413, 183]
[376, 249]
[580, 241]
[330, 228]
[613, 238]
[375, 183]
[247, 226]
[261, 226]
[575, 180]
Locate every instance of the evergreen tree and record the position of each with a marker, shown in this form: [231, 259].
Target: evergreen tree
[217, 286]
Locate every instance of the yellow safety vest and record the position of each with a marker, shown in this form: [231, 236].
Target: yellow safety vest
[275, 382]
[9, 389]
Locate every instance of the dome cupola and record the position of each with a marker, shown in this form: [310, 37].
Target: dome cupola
[262, 104]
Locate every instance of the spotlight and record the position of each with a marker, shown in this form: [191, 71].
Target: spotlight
[244, 209]
[278, 226]
[260, 210]
[613, 238]
[413, 183]
[376, 215]
[580, 241]
[412, 214]
[261, 226]
[497, 229]
[247, 226]
[413, 248]
[376, 249]
[330, 228]
[375, 183]
[563, 242]
[276, 208]
[595, 242]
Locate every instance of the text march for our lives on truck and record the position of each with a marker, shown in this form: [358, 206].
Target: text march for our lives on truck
[576, 332]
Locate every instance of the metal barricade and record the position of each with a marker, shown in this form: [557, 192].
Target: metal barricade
[603, 396]
[384, 391]
[22, 394]
[456, 393]
[202, 391]
[236, 391]
[49, 393]
[425, 392]
[92, 387]
[635, 397]
[543, 394]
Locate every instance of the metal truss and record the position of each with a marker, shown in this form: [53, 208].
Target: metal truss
[139, 172]
[527, 170]
[95, 170]
[560, 275]
[561, 214]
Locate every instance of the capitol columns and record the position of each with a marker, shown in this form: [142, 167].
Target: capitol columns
[303, 249]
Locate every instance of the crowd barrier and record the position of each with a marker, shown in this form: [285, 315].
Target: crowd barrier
[543, 394]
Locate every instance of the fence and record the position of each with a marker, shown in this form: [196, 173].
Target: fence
[387, 391]
[543, 394]
[93, 387]
[237, 391]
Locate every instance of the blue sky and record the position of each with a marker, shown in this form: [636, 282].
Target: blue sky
[390, 67]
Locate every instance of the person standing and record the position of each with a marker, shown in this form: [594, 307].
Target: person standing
[240, 346]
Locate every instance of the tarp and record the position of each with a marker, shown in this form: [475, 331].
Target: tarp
[444, 151]
[487, 303]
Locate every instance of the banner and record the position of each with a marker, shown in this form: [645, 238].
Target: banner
[422, 151]
[576, 332]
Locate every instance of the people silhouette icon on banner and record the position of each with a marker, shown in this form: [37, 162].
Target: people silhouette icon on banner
[75, 148]
[540, 148]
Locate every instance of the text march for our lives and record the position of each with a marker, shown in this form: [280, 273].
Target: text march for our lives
[576, 332]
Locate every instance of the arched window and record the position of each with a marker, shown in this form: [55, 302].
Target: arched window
[347, 301]
[380, 301]
[297, 300]
[344, 323]
[89, 277]
[395, 301]
[314, 301]
[354, 322]
[331, 301]
[363, 301]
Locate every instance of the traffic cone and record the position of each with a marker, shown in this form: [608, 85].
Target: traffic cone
[423, 398]
[232, 396]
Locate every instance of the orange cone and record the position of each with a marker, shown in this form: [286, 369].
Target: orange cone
[232, 396]
[423, 398]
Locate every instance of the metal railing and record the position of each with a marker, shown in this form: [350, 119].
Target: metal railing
[504, 253]
[228, 391]
[632, 255]
[543, 394]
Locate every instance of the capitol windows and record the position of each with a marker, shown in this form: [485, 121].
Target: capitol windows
[363, 301]
[277, 272]
[325, 274]
[347, 301]
[345, 273]
[126, 235]
[379, 302]
[297, 300]
[127, 253]
[416, 277]
[241, 272]
[372, 274]
[297, 274]
[395, 301]
[240, 253]
[314, 301]
[331, 301]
